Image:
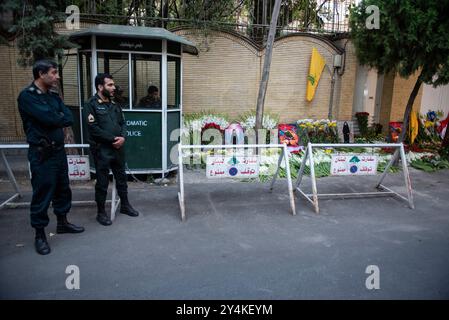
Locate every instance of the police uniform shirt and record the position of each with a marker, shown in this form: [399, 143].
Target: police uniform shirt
[43, 115]
[104, 120]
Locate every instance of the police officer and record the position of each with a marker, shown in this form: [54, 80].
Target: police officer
[106, 127]
[44, 116]
[152, 100]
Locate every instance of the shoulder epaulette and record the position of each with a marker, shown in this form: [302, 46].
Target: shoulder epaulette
[33, 89]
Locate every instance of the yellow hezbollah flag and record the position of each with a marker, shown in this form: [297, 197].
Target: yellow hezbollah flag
[317, 64]
[413, 127]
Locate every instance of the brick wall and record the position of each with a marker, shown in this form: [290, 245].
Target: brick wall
[13, 79]
[346, 85]
[387, 96]
[225, 77]
[395, 95]
[401, 93]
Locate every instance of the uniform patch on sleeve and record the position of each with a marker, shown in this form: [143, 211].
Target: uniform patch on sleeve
[90, 118]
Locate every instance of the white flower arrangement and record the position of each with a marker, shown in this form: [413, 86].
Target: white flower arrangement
[196, 125]
[412, 156]
[249, 122]
[199, 122]
[220, 121]
[305, 121]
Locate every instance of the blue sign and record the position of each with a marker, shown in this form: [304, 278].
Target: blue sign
[233, 171]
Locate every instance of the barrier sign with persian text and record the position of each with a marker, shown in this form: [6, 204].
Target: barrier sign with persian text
[78, 167]
[232, 166]
[343, 165]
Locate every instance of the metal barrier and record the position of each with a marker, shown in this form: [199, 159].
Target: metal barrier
[283, 155]
[115, 201]
[313, 198]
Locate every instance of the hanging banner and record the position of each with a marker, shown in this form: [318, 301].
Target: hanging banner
[317, 64]
[344, 165]
[232, 166]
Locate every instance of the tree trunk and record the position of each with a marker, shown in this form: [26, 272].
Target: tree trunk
[408, 108]
[266, 68]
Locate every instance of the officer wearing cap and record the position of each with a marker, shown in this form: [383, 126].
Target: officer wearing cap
[44, 116]
[106, 127]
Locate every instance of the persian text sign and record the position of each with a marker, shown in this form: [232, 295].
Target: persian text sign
[361, 164]
[232, 166]
[78, 167]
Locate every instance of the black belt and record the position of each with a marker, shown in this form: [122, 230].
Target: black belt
[49, 146]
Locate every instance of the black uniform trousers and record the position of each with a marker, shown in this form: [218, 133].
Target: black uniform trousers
[50, 182]
[105, 158]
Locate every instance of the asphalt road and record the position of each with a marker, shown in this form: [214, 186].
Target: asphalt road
[240, 242]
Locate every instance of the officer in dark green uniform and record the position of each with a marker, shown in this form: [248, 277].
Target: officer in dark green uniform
[44, 116]
[106, 127]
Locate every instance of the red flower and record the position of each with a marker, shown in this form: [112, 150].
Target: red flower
[211, 125]
[414, 148]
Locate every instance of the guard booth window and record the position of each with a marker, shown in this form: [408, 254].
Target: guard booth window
[116, 64]
[146, 71]
[173, 82]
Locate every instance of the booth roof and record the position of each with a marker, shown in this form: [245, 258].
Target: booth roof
[113, 30]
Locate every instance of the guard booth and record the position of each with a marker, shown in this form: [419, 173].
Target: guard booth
[136, 57]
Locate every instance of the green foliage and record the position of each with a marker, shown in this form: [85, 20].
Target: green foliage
[444, 152]
[305, 11]
[362, 121]
[382, 165]
[412, 37]
[430, 164]
[219, 10]
[322, 169]
[34, 27]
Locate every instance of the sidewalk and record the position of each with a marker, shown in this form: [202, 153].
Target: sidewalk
[239, 242]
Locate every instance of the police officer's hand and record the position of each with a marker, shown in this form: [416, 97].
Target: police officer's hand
[118, 142]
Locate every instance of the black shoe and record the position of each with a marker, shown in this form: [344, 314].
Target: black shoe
[103, 219]
[68, 228]
[128, 210]
[64, 226]
[40, 242]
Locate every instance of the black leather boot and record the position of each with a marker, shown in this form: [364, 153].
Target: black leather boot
[102, 217]
[126, 208]
[40, 242]
[64, 226]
